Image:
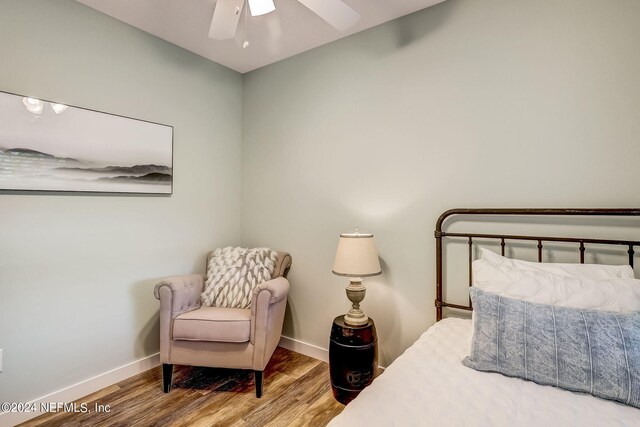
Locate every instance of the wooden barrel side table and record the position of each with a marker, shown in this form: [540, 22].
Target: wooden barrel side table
[353, 358]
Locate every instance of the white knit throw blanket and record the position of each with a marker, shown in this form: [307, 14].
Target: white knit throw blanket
[234, 272]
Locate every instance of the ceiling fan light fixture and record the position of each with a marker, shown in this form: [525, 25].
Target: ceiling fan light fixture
[261, 7]
[58, 108]
[33, 105]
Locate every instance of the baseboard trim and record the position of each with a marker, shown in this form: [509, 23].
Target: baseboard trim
[83, 388]
[106, 379]
[304, 348]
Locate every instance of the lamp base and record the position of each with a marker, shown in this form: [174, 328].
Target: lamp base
[354, 318]
[356, 292]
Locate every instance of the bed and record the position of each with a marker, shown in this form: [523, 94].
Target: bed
[429, 384]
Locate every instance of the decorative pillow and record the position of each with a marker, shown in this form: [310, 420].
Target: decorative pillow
[586, 351]
[232, 274]
[620, 295]
[589, 271]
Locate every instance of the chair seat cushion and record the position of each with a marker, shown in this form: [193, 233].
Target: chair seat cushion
[213, 324]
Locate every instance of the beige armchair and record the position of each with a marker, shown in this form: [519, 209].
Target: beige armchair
[220, 337]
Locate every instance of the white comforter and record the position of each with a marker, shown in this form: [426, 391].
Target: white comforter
[428, 385]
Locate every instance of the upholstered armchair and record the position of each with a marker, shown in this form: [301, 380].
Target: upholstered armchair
[217, 337]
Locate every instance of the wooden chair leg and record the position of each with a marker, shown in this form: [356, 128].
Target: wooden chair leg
[167, 371]
[258, 380]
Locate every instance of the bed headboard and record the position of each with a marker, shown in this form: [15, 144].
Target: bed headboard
[580, 242]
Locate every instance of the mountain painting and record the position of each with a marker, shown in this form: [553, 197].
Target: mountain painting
[48, 146]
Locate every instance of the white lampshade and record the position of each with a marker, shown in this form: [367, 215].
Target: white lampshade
[356, 256]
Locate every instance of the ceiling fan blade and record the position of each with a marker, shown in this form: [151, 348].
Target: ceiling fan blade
[335, 12]
[225, 19]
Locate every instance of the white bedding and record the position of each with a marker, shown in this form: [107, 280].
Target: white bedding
[428, 385]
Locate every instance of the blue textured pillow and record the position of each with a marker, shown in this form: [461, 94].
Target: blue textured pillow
[596, 352]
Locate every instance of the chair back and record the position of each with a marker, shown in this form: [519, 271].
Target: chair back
[283, 264]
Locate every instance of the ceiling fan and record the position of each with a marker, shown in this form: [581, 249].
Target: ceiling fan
[227, 14]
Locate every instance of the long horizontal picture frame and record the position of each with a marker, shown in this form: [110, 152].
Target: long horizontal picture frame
[48, 146]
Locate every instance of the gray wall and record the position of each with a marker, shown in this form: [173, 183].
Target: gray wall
[77, 271]
[463, 104]
[470, 103]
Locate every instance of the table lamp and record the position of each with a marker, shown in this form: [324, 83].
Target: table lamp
[356, 258]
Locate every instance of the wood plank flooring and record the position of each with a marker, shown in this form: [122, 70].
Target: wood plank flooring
[297, 392]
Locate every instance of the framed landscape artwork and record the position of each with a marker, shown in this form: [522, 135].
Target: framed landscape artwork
[47, 146]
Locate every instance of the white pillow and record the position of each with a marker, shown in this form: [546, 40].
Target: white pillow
[590, 271]
[619, 294]
[233, 273]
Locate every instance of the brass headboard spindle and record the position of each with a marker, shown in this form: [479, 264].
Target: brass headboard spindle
[470, 266]
[539, 250]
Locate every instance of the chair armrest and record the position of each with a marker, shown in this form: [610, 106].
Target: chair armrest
[179, 294]
[267, 316]
[278, 289]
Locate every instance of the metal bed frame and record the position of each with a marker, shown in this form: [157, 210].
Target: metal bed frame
[440, 235]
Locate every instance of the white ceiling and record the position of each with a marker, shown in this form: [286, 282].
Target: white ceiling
[290, 30]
